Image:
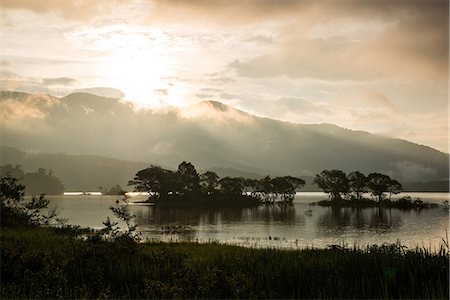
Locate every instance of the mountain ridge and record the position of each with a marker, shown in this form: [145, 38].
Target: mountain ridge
[214, 135]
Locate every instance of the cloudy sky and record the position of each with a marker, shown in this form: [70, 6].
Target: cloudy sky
[379, 66]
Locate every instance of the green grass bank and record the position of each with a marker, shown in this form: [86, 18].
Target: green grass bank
[53, 263]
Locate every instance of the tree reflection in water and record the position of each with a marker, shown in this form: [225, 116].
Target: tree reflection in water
[340, 219]
[197, 216]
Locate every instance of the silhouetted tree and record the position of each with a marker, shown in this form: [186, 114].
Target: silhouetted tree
[333, 182]
[155, 180]
[231, 185]
[15, 211]
[381, 183]
[189, 180]
[209, 181]
[39, 182]
[394, 188]
[358, 183]
[251, 186]
[285, 186]
[266, 190]
[42, 182]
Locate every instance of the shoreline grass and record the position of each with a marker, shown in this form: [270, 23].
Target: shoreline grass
[45, 262]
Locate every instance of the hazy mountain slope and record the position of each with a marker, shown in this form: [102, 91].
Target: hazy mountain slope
[209, 134]
[78, 172]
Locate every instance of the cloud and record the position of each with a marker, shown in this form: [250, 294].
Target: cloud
[161, 92]
[411, 171]
[222, 80]
[259, 38]
[215, 111]
[58, 81]
[403, 50]
[371, 40]
[102, 91]
[225, 12]
[211, 90]
[69, 9]
[375, 65]
[28, 107]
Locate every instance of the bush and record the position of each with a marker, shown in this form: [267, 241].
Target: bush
[15, 211]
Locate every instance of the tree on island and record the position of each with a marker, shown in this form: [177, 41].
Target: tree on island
[155, 180]
[186, 183]
[358, 184]
[286, 187]
[231, 185]
[394, 188]
[381, 183]
[333, 182]
[209, 182]
[188, 178]
[251, 186]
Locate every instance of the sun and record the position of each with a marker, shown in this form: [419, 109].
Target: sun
[138, 65]
[138, 77]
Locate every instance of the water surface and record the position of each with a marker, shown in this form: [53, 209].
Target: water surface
[297, 226]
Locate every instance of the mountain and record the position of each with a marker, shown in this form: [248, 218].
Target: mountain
[209, 134]
[77, 172]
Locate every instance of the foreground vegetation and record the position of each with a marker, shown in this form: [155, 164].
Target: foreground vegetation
[57, 263]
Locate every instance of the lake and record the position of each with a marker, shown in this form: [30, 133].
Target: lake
[298, 226]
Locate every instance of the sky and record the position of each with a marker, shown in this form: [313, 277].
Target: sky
[379, 66]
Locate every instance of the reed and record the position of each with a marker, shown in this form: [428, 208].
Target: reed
[50, 263]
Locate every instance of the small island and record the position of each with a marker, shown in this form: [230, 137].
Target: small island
[349, 190]
[187, 188]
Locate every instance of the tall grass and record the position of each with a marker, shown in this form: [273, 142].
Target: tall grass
[44, 263]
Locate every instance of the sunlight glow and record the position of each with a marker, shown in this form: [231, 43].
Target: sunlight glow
[138, 64]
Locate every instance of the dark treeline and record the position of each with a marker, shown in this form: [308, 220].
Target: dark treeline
[186, 181]
[354, 185]
[41, 181]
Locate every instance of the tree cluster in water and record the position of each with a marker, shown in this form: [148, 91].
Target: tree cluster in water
[354, 185]
[162, 183]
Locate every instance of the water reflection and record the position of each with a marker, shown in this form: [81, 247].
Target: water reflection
[153, 215]
[298, 225]
[338, 220]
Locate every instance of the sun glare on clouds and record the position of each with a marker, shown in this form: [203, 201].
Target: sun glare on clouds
[137, 61]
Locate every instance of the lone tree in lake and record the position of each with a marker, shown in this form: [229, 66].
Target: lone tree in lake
[333, 182]
[379, 184]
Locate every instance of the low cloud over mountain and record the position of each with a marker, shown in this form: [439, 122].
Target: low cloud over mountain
[209, 134]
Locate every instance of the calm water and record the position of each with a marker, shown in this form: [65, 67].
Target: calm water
[297, 226]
